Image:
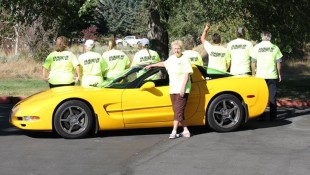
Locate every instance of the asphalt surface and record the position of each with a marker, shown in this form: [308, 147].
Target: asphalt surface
[281, 147]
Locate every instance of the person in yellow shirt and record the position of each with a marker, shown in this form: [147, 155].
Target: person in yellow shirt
[266, 61]
[62, 66]
[116, 59]
[92, 65]
[179, 70]
[218, 55]
[239, 51]
[193, 55]
[144, 57]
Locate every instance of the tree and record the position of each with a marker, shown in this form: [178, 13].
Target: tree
[6, 31]
[90, 33]
[59, 15]
[119, 15]
[157, 33]
[287, 21]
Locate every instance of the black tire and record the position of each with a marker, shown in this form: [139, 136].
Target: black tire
[225, 113]
[73, 119]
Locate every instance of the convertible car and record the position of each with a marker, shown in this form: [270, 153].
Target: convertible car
[139, 98]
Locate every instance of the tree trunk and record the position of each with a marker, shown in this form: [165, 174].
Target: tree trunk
[16, 38]
[157, 34]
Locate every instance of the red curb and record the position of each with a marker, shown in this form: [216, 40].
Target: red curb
[293, 103]
[5, 99]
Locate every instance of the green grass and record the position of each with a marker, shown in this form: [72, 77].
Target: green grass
[292, 88]
[295, 88]
[21, 87]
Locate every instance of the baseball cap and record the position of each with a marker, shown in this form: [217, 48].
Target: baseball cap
[145, 42]
[89, 43]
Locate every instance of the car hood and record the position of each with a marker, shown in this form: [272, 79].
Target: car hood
[61, 93]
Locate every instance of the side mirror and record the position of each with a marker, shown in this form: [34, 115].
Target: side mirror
[147, 85]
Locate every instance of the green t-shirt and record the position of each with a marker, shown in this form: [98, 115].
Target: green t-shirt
[266, 55]
[144, 57]
[218, 56]
[62, 67]
[239, 51]
[117, 62]
[194, 57]
[177, 68]
[92, 68]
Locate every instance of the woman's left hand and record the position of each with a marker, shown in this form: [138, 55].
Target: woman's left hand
[182, 93]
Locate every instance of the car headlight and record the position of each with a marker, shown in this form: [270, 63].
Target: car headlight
[30, 118]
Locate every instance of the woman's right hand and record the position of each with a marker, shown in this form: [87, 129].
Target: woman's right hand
[207, 27]
[148, 67]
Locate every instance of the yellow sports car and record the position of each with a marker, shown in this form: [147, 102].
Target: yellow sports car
[139, 98]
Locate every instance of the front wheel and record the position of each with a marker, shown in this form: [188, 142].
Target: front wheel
[225, 113]
[73, 119]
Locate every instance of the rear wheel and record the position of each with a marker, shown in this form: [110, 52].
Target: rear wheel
[73, 119]
[225, 113]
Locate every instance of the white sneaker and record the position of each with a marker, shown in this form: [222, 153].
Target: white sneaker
[186, 134]
[174, 135]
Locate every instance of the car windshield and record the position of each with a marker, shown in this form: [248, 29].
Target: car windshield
[133, 77]
[210, 73]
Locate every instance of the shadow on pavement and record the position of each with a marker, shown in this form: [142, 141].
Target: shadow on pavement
[283, 116]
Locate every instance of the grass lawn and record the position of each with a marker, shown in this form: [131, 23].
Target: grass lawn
[295, 88]
[292, 88]
[21, 87]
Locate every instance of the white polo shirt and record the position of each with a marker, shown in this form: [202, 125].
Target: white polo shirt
[266, 55]
[177, 68]
[194, 57]
[218, 56]
[239, 51]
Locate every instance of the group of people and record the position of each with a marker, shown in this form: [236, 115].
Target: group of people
[240, 57]
[90, 68]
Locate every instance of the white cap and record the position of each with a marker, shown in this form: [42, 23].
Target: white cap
[144, 42]
[89, 43]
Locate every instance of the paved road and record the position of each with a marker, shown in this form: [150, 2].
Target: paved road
[259, 148]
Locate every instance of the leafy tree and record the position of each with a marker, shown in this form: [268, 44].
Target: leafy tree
[157, 32]
[224, 16]
[287, 21]
[119, 15]
[87, 11]
[59, 15]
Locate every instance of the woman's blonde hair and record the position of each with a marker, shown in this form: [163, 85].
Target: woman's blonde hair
[111, 44]
[61, 43]
[178, 43]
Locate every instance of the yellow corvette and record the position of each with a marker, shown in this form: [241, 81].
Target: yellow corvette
[139, 98]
